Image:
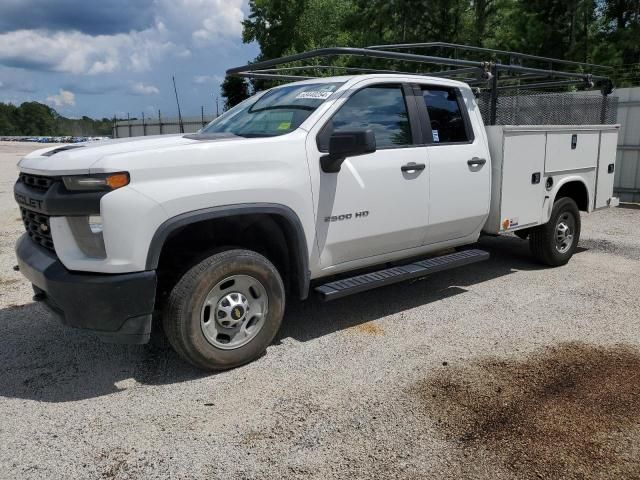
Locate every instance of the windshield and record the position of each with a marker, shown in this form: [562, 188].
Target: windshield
[276, 112]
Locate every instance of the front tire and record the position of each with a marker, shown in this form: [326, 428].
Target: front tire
[225, 310]
[555, 242]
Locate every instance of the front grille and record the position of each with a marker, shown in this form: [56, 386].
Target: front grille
[36, 181]
[38, 227]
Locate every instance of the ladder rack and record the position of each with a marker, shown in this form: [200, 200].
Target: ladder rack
[491, 71]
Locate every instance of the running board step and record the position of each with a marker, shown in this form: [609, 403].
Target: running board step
[368, 281]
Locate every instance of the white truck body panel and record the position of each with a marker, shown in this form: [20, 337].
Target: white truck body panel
[563, 153]
[445, 205]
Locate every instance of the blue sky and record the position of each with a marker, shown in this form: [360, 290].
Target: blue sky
[106, 57]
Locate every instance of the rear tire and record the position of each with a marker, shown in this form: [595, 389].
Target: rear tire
[225, 310]
[555, 242]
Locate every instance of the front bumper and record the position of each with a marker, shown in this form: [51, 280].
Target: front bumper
[117, 307]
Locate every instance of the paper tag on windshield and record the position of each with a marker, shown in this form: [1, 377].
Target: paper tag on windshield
[436, 135]
[315, 94]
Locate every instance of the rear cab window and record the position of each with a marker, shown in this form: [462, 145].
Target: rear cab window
[447, 115]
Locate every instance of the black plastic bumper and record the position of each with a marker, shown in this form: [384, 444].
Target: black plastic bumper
[117, 307]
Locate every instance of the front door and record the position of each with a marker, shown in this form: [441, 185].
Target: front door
[377, 203]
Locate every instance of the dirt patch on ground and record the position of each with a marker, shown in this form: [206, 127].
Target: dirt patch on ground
[369, 328]
[570, 412]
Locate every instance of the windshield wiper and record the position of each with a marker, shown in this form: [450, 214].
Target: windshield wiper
[282, 107]
[255, 135]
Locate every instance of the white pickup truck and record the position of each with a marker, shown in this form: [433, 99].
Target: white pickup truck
[287, 192]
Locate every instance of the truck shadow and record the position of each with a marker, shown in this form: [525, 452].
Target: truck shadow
[45, 361]
[313, 318]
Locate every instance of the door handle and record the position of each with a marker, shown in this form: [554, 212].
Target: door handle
[413, 167]
[476, 162]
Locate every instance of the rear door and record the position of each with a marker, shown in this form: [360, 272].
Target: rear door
[460, 171]
[377, 203]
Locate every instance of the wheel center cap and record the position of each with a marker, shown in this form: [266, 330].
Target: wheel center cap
[232, 310]
[237, 312]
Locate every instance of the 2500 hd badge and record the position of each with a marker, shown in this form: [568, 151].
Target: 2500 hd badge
[347, 216]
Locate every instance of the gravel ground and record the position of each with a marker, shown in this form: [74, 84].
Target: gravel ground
[500, 370]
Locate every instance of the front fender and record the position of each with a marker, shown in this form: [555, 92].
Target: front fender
[294, 232]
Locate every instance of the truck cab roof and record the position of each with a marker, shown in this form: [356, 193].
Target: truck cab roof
[400, 77]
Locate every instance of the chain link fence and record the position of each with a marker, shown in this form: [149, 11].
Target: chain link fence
[544, 108]
[158, 126]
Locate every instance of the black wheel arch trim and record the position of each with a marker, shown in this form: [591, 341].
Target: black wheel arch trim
[294, 232]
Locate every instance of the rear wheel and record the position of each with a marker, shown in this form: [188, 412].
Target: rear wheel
[555, 242]
[226, 310]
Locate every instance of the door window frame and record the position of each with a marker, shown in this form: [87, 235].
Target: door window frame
[424, 113]
[416, 123]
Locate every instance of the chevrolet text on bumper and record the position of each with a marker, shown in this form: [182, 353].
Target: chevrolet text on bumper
[295, 189]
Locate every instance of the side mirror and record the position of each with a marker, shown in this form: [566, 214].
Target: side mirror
[347, 144]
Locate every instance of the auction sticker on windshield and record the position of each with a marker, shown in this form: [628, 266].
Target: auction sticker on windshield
[316, 95]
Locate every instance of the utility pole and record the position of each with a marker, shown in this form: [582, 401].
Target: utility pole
[178, 102]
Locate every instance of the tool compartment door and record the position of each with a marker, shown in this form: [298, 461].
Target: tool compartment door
[606, 167]
[522, 179]
[571, 150]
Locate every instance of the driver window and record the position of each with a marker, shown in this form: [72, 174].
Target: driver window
[381, 108]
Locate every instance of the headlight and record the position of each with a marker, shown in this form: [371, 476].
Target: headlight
[104, 181]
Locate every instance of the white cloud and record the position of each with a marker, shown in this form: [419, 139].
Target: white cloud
[140, 88]
[204, 79]
[78, 53]
[63, 99]
[206, 21]
[179, 27]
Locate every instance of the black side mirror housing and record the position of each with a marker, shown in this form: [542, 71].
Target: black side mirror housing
[347, 144]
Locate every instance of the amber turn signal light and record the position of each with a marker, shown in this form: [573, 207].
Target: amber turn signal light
[117, 180]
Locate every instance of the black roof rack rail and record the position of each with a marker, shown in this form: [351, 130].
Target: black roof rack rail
[492, 51]
[489, 74]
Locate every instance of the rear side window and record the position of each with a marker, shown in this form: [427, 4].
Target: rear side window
[445, 113]
[381, 108]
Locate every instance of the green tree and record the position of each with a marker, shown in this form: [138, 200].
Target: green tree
[234, 90]
[36, 119]
[284, 27]
[8, 119]
[33, 118]
[288, 27]
[600, 31]
[617, 42]
[483, 20]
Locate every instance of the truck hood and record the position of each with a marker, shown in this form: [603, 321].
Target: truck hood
[80, 157]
